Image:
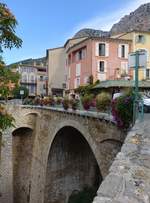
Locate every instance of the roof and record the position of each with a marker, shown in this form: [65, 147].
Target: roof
[99, 38]
[125, 33]
[121, 83]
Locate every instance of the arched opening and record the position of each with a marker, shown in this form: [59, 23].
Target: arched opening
[71, 167]
[22, 157]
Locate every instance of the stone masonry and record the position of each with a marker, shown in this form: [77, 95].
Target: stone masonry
[31, 140]
[129, 176]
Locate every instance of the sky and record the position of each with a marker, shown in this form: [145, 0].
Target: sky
[45, 24]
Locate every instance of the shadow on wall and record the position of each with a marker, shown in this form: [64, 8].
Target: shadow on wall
[22, 158]
[71, 167]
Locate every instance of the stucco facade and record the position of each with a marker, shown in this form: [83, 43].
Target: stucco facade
[101, 57]
[56, 70]
[34, 78]
[140, 41]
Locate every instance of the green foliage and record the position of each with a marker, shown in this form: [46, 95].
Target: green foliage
[66, 103]
[16, 92]
[6, 120]
[122, 110]
[8, 80]
[87, 89]
[74, 103]
[103, 101]
[87, 100]
[8, 39]
[84, 196]
[8, 23]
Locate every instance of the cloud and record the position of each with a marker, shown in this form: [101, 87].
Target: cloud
[106, 22]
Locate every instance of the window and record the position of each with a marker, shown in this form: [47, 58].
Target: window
[123, 51]
[76, 82]
[140, 39]
[147, 73]
[78, 69]
[101, 49]
[32, 78]
[41, 78]
[101, 66]
[24, 78]
[80, 55]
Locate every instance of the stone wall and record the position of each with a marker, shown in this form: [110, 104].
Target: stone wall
[129, 176]
[100, 133]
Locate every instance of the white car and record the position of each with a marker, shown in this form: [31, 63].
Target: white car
[146, 102]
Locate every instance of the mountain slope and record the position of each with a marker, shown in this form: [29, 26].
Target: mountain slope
[137, 20]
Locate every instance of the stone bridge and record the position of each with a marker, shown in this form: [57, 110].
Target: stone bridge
[50, 154]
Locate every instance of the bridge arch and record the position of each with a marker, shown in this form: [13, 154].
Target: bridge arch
[22, 147]
[71, 164]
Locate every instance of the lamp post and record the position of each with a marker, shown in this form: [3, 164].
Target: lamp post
[137, 59]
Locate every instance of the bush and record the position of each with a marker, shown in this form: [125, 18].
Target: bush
[122, 110]
[16, 92]
[84, 196]
[87, 101]
[103, 101]
[58, 100]
[74, 103]
[66, 103]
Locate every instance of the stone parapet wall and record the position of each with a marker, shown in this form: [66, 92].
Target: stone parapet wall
[129, 176]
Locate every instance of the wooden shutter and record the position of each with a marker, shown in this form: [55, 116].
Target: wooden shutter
[126, 51]
[97, 49]
[107, 49]
[119, 50]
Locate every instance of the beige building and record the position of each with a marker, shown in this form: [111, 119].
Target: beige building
[56, 70]
[34, 78]
[140, 41]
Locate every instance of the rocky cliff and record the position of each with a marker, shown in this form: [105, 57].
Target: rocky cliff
[137, 20]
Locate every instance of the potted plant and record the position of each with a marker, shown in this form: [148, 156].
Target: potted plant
[66, 103]
[103, 101]
[86, 101]
[58, 100]
[74, 103]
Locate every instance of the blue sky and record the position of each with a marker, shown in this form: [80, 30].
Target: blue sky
[45, 24]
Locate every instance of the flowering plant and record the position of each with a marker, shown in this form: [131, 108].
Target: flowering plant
[122, 110]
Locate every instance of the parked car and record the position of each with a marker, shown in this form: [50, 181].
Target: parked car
[146, 103]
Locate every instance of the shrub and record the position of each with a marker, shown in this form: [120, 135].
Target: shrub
[16, 92]
[66, 103]
[122, 110]
[86, 101]
[103, 101]
[58, 100]
[74, 103]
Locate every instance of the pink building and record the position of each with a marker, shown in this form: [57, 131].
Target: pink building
[104, 58]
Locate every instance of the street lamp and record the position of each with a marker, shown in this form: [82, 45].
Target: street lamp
[137, 59]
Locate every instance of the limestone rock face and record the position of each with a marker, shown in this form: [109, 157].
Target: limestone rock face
[137, 20]
[87, 32]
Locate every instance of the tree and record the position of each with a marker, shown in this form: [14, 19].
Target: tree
[8, 23]
[8, 39]
[16, 92]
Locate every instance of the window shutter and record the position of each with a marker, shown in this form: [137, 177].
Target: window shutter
[75, 83]
[78, 69]
[126, 51]
[105, 66]
[98, 66]
[107, 49]
[97, 49]
[119, 50]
